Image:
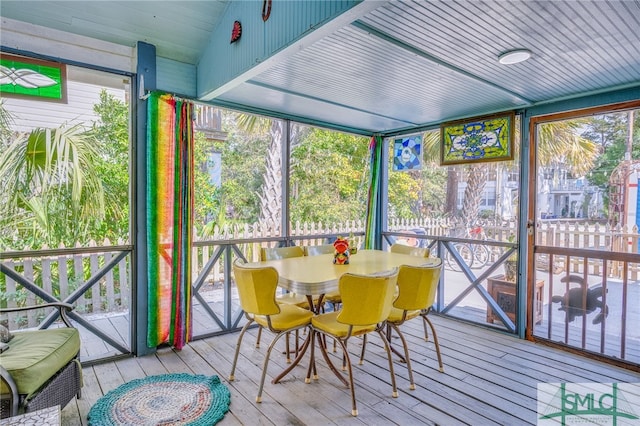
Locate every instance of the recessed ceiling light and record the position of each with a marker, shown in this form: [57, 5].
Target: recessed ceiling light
[514, 56]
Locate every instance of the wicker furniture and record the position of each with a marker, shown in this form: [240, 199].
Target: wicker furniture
[41, 368]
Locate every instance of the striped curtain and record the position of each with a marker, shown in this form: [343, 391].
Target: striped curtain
[169, 219]
[375, 151]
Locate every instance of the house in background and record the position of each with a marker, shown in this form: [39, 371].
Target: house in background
[563, 196]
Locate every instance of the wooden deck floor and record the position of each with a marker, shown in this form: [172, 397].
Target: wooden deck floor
[490, 378]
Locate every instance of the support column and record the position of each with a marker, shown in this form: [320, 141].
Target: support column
[145, 71]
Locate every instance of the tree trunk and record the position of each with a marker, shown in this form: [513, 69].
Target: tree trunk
[451, 202]
[476, 180]
[271, 190]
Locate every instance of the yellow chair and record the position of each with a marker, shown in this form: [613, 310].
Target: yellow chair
[268, 253]
[366, 303]
[257, 293]
[417, 287]
[319, 249]
[414, 251]
[274, 253]
[333, 297]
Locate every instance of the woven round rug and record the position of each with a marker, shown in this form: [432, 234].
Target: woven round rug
[167, 399]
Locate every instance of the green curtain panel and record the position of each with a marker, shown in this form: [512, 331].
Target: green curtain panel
[375, 151]
[169, 218]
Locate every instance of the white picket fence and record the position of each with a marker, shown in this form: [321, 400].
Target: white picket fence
[592, 236]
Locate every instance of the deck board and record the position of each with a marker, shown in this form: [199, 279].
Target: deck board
[490, 378]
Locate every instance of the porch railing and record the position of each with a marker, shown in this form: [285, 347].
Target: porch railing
[95, 279]
[80, 274]
[63, 273]
[591, 304]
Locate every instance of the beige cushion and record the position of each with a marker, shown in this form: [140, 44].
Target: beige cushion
[35, 356]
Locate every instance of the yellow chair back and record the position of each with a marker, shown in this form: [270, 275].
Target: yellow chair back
[414, 251]
[321, 249]
[257, 289]
[268, 253]
[417, 286]
[366, 299]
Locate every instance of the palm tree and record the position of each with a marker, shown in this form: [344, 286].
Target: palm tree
[431, 146]
[50, 190]
[5, 124]
[271, 189]
[558, 142]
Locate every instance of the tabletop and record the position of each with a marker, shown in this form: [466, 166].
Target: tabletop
[316, 275]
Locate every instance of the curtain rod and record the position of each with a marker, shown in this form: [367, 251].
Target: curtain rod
[144, 94]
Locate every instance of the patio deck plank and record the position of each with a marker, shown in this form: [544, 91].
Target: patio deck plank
[247, 377]
[249, 368]
[524, 350]
[490, 378]
[432, 384]
[376, 391]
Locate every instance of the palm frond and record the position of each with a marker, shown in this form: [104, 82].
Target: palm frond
[560, 141]
[252, 123]
[5, 123]
[51, 176]
[431, 146]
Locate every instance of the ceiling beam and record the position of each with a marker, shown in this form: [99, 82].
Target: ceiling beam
[325, 101]
[390, 39]
[291, 27]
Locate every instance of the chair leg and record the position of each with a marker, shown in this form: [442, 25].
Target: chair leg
[354, 408]
[312, 358]
[80, 381]
[12, 394]
[435, 341]
[335, 306]
[412, 385]
[364, 346]
[387, 347]
[235, 357]
[298, 341]
[297, 345]
[258, 338]
[393, 349]
[426, 333]
[344, 357]
[287, 350]
[266, 363]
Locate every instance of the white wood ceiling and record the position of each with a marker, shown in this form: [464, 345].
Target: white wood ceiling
[405, 64]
